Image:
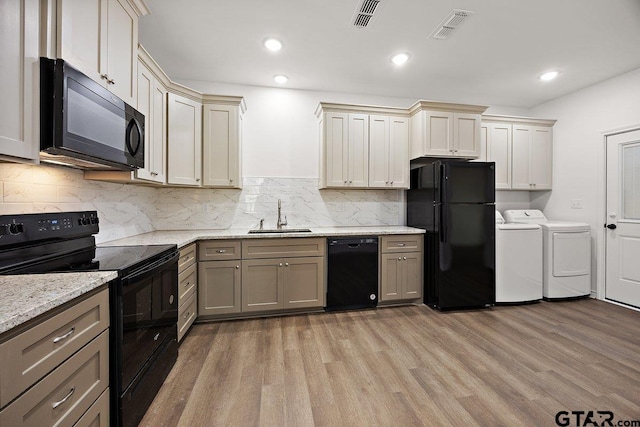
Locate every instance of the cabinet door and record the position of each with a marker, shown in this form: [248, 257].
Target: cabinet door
[220, 146]
[520, 157]
[122, 50]
[466, 135]
[540, 151]
[19, 44]
[337, 148]
[399, 152]
[304, 282]
[184, 140]
[158, 145]
[262, 285]
[379, 139]
[390, 277]
[82, 36]
[145, 106]
[499, 151]
[412, 271]
[219, 287]
[358, 169]
[439, 133]
[484, 138]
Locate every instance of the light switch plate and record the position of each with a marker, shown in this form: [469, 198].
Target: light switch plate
[576, 203]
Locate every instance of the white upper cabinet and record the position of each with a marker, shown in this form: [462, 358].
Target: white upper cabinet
[221, 142]
[152, 96]
[363, 146]
[522, 150]
[100, 38]
[19, 44]
[499, 151]
[388, 152]
[347, 149]
[184, 140]
[445, 130]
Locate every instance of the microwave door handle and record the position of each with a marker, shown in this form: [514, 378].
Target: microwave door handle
[133, 126]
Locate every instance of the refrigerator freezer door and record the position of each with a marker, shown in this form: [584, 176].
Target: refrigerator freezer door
[467, 182]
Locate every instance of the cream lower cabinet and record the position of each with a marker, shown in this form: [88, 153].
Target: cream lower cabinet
[401, 267]
[285, 283]
[187, 285]
[219, 287]
[19, 44]
[56, 372]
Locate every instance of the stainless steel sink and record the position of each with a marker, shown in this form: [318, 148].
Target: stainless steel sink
[283, 230]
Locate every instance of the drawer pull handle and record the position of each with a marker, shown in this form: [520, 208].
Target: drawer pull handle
[402, 244]
[64, 399]
[222, 251]
[56, 340]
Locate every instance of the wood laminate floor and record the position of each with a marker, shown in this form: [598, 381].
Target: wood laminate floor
[408, 366]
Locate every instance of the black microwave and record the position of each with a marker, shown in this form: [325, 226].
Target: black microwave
[84, 125]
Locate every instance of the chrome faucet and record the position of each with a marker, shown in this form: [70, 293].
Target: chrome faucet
[280, 223]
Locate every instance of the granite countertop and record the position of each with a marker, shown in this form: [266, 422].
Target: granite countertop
[185, 237]
[27, 296]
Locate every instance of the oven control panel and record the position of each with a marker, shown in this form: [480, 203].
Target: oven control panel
[28, 228]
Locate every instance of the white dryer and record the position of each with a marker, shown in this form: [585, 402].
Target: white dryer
[518, 262]
[566, 254]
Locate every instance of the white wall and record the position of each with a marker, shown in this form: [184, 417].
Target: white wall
[578, 148]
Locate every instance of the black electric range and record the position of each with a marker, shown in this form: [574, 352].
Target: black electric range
[143, 299]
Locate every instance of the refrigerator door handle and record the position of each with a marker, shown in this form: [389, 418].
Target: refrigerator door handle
[441, 221]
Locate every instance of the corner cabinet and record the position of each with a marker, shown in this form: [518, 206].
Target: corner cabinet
[445, 130]
[19, 111]
[184, 140]
[222, 141]
[100, 38]
[522, 149]
[363, 147]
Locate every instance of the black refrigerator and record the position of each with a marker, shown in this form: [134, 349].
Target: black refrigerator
[454, 201]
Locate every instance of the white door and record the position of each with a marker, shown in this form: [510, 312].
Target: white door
[623, 218]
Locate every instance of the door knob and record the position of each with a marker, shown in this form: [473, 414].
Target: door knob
[611, 226]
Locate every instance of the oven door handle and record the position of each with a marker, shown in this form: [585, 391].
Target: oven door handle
[150, 269]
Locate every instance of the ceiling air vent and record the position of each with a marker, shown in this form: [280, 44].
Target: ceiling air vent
[450, 23]
[365, 12]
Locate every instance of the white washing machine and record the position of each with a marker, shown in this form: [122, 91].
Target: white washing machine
[566, 254]
[518, 262]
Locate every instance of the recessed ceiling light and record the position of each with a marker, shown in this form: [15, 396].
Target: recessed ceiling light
[400, 58]
[549, 76]
[280, 79]
[273, 44]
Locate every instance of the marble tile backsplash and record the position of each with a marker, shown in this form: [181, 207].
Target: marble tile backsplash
[124, 210]
[127, 210]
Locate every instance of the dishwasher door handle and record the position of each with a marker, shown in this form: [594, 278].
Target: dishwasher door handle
[354, 245]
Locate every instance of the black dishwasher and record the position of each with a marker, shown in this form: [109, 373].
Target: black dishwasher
[352, 277]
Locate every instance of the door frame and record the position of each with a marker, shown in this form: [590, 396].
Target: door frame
[601, 237]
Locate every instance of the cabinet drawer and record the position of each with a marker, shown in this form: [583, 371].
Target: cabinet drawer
[66, 393]
[187, 281]
[402, 243]
[187, 257]
[219, 250]
[31, 355]
[186, 315]
[98, 413]
[278, 248]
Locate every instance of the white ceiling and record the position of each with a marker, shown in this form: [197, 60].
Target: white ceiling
[494, 58]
